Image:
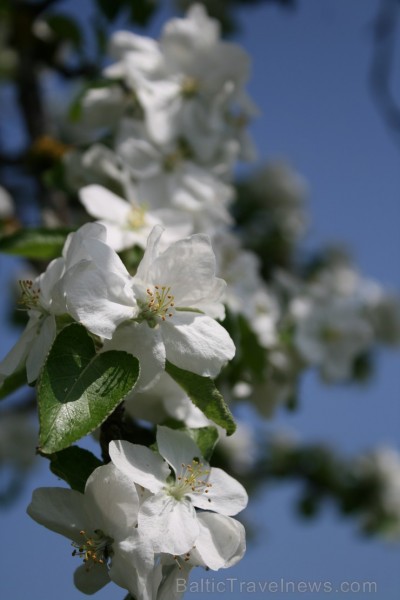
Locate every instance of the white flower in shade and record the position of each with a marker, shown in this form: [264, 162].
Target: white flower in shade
[178, 299]
[89, 283]
[166, 399]
[199, 69]
[129, 224]
[40, 299]
[168, 176]
[180, 481]
[98, 165]
[6, 204]
[101, 524]
[144, 52]
[331, 334]
[381, 467]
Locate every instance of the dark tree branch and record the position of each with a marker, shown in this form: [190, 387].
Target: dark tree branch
[384, 30]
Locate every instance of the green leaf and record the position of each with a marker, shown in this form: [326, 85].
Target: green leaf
[110, 8]
[206, 439]
[13, 383]
[65, 28]
[251, 352]
[74, 465]
[39, 243]
[250, 356]
[141, 11]
[204, 394]
[79, 389]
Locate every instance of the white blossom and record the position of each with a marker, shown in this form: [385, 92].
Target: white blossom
[178, 299]
[129, 223]
[168, 517]
[101, 523]
[331, 335]
[43, 304]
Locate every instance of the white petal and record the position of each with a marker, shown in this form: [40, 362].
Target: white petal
[47, 281]
[139, 464]
[146, 264]
[147, 345]
[60, 510]
[17, 355]
[132, 567]
[111, 501]
[171, 525]
[103, 204]
[97, 298]
[176, 223]
[90, 581]
[103, 107]
[188, 266]
[105, 258]
[127, 41]
[162, 102]
[177, 447]
[197, 343]
[175, 578]
[40, 348]
[142, 157]
[181, 408]
[121, 239]
[221, 542]
[225, 495]
[74, 250]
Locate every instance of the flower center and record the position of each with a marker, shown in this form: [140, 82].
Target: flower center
[160, 303]
[190, 87]
[95, 550]
[136, 217]
[191, 479]
[29, 294]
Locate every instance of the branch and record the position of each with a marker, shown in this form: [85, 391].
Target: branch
[384, 31]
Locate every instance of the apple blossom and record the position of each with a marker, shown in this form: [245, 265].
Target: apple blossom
[39, 299]
[101, 524]
[178, 299]
[168, 517]
[128, 223]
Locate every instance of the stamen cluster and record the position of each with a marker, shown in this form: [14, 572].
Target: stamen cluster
[192, 479]
[29, 294]
[160, 302]
[93, 550]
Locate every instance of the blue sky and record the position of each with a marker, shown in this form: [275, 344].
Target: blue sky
[310, 82]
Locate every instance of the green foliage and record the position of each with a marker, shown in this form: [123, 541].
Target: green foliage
[35, 243]
[206, 438]
[79, 389]
[110, 9]
[74, 465]
[140, 11]
[65, 28]
[250, 358]
[204, 394]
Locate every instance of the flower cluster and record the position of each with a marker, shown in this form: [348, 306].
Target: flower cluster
[148, 517]
[167, 311]
[179, 269]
